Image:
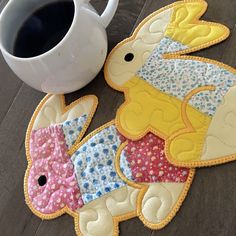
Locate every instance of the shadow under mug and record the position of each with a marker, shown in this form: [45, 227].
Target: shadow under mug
[71, 63]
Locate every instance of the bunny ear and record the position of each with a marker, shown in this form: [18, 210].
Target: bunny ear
[74, 118]
[186, 28]
[53, 110]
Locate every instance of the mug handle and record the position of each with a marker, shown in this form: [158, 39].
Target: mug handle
[108, 13]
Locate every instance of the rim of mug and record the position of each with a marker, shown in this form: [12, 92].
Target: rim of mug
[77, 4]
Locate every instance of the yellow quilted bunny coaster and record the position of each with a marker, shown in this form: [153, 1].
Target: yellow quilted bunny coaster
[187, 101]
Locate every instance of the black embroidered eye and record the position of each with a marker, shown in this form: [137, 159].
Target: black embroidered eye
[42, 180]
[129, 57]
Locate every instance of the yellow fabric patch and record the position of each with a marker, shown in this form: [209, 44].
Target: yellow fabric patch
[188, 146]
[148, 110]
[187, 29]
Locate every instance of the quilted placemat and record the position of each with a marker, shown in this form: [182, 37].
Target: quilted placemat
[178, 114]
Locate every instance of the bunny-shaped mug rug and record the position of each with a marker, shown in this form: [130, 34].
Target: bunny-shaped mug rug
[90, 178]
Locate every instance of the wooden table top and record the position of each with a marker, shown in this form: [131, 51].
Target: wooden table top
[210, 207]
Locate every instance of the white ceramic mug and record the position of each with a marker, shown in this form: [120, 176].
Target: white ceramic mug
[74, 61]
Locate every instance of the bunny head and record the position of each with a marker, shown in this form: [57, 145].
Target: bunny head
[51, 187]
[51, 184]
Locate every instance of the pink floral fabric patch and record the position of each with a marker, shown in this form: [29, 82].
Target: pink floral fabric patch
[148, 163]
[52, 183]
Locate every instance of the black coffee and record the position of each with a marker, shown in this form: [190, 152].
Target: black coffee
[44, 29]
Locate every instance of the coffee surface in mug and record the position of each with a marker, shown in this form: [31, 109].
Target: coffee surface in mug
[44, 29]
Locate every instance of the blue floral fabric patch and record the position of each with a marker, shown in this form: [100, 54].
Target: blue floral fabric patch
[177, 77]
[73, 128]
[94, 165]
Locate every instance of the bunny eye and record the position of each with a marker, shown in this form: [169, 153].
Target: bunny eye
[42, 180]
[129, 57]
